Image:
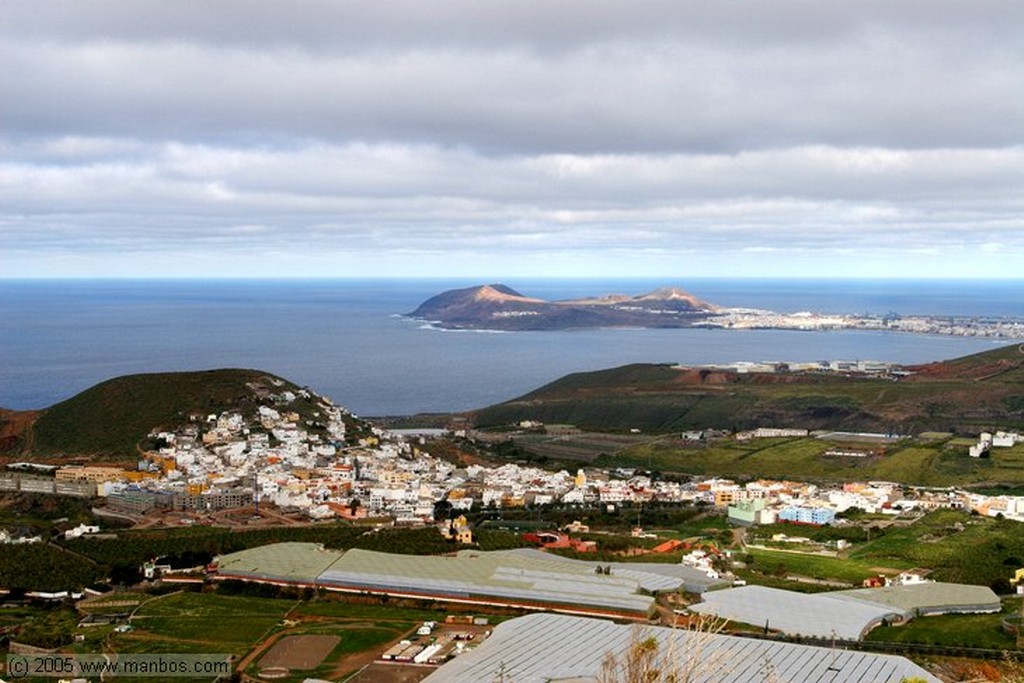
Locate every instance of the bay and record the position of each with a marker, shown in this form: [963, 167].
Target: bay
[346, 339]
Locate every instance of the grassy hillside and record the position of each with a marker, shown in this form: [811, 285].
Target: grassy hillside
[938, 462]
[112, 417]
[968, 394]
[957, 546]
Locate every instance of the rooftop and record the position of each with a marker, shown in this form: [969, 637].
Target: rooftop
[825, 615]
[496, 574]
[530, 577]
[930, 597]
[548, 647]
[281, 561]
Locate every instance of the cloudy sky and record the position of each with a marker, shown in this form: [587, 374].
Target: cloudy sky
[525, 138]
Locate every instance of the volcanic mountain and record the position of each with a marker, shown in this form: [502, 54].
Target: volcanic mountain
[499, 307]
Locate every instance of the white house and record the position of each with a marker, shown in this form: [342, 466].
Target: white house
[81, 530]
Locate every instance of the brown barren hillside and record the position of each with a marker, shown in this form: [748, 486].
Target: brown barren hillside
[14, 426]
[979, 367]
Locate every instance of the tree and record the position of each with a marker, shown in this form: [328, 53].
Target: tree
[442, 509]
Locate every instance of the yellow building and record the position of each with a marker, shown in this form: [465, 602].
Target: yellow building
[725, 497]
[581, 479]
[136, 475]
[458, 530]
[89, 473]
[1018, 580]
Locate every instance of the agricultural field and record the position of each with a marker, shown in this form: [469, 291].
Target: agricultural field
[956, 546]
[585, 447]
[929, 462]
[13, 615]
[249, 628]
[820, 567]
[198, 622]
[964, 630]
[713, 526]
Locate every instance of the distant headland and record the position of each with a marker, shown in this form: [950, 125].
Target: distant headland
[498, 307]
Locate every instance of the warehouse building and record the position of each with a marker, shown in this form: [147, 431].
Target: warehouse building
[539, 648]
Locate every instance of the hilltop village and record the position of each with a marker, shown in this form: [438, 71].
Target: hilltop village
[317, 467]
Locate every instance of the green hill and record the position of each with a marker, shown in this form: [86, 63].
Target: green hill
[111, 418]
[968, 394]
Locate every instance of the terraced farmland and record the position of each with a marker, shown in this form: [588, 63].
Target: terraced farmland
[584, 447]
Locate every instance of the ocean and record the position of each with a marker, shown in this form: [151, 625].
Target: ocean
[346, 339]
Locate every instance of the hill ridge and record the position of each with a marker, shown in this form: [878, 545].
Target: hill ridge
[970, 394]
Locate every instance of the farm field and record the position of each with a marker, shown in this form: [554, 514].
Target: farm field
[965, 630]
[780, 562]
[249, 628]
[955, 546]
[199, 622]
[959, 547]
[584, 447]
[932, 463]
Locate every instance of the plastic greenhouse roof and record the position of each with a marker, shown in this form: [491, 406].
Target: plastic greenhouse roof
[539, 648]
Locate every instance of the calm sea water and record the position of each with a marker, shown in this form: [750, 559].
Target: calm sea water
[343, 338]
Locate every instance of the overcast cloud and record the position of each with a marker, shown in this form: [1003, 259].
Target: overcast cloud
[524, 138]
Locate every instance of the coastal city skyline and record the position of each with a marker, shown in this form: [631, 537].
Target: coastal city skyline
[673, 139]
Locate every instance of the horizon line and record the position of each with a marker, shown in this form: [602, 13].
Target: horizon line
[496, 278]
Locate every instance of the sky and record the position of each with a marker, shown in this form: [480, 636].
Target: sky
[876, 138]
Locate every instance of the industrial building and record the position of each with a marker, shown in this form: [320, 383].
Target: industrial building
[539, 648]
